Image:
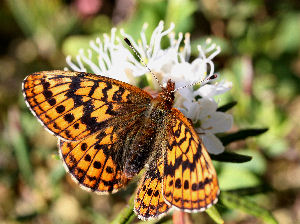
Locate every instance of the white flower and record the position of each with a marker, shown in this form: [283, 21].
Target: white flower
[208, 121]
[116, 61]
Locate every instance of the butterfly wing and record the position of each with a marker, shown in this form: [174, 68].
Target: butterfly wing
[92, 164]
[190, 181]
[74, 105]
[97, 161]
[149, 201]
[92, 116]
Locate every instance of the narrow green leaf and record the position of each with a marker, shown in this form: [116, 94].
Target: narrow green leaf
[127, 215]
[234, 201]
[27, 217]
[227, 106]
[22, 155]
[231, 157]
[20, 146]
[251, 190]
[215, 215]
[241, 134]
[25, 20]
[57, 174]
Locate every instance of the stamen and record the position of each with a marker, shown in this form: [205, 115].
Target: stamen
[187, 47]
[71, 64]
[89, 62]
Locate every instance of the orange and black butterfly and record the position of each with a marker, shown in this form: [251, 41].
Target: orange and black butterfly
[108, 131]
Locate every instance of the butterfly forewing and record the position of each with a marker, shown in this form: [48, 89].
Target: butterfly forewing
[74, 105]
[190, 181]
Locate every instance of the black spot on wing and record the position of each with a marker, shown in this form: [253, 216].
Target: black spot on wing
[60, 109]
[76, 126]
[74, 86]
[118, 94]
[186, 184]
[94, 87]
[45, 84]
[47, 94]
[178, 183]
[87, 158]
[149, 192]
[69, 117]
[110, 110]
[105, 90]
[51, 101]
[109, 169]
[97, 165]
[83, 146]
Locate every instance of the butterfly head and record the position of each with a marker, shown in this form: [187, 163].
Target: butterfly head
[167, 94]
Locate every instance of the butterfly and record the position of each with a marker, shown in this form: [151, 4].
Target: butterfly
[109, 131]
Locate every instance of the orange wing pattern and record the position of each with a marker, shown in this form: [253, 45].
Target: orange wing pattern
[92, 162]
[73, 105]
[92, 116]
[149, 201]
[190, 180]
[97, 161]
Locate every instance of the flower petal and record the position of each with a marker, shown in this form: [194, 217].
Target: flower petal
[212, 143]
[210, 90]
[217, 122]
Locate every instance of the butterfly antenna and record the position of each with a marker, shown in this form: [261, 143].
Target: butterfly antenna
[202, 82]
[142, 61]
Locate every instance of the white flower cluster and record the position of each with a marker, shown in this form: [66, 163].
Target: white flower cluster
[115, 60]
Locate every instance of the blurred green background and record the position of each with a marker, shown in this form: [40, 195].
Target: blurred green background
[260, 54]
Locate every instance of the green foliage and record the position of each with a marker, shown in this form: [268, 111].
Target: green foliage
[241, 134]
[244, 204]
[231, 157]
[215, 215]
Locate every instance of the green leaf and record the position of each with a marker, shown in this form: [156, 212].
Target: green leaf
[287, 38]
[244, 191]
[231, 157]
[257, 165]
[25, 20]
[127, 215]
[57, 174]
[227, 106]
[231, 176]
[241, 134]
[20, 146]
[234, 201]
[215, 215]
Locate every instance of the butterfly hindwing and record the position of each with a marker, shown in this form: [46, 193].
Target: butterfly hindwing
[91, 162]
[97, 161]
[74, 105]
[190, 181]
[149, 201]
